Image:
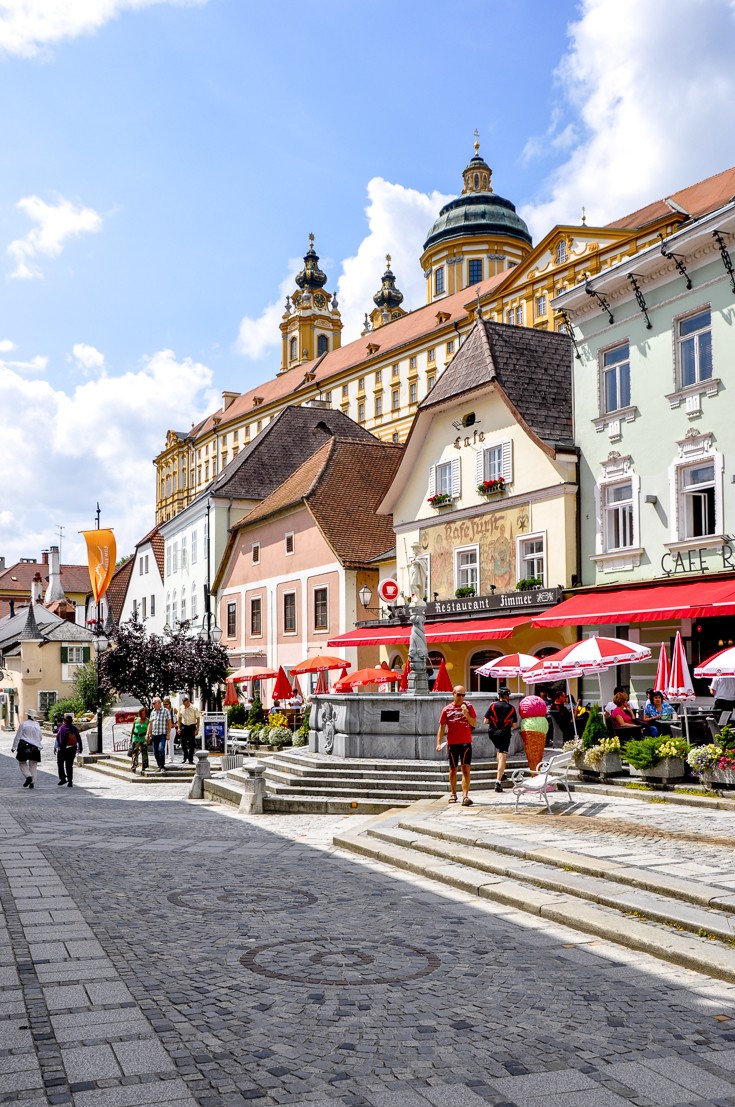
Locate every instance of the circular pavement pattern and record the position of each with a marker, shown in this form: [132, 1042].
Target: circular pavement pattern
[219, 898]
[325, 961]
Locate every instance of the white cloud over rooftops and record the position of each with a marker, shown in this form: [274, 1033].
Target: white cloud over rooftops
[54, 224]
[29, 26]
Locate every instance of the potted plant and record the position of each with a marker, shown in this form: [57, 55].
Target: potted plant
[439, 499]
[492, 487]
[715, 763]
[529, 582]
[278, 737]
[465, 590]
[660, 758]
[601, 751]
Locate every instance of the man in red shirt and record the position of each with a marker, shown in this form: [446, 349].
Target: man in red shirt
[458, 720]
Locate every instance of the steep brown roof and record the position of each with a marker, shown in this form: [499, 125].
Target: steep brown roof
[118, 587]
[342, 486]
[696, 200]
[158, 546]
[17, 578]
[534, 369]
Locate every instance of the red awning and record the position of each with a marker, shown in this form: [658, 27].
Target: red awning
[691, 600]
[465, 630]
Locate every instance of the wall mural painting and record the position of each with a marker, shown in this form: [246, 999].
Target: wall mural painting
[494, 533]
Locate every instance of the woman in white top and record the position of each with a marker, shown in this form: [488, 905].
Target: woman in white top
[27, 749]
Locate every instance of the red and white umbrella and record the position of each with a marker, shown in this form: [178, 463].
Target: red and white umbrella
[680, 688]
[720, 664]
[662, 670]
[510, 665]
[591, 655]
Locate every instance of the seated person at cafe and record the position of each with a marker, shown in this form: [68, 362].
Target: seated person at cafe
[658, 714]
[296, 700]
[562, 716]
[622, 713]
[610, 705]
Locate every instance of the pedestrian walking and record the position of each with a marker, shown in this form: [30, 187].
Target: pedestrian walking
[501, 718]
[139, 742]
[159, 726]
[27, 746]
[67, 745]
[457, 720]
[189, 721]
[171, 740]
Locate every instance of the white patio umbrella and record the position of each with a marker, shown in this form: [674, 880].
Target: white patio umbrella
[720, 664]
[680, 686]
[590, 655]
[510, 665]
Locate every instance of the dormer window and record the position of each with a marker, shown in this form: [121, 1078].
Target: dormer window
[257, 401]
[372, 347]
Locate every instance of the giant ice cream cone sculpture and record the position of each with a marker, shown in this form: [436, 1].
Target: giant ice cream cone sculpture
[534, 727]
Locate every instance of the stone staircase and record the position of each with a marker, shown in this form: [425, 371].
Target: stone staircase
[687, 922]
[117, 765]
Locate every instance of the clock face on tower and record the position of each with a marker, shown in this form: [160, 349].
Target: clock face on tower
[320, 301]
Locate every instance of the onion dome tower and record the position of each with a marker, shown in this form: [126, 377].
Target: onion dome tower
[387, 300]
[476, 236]
[311, 325]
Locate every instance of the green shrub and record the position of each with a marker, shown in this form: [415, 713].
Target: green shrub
[596, 728]
[68, 706]
[642, 753]
[303, 730]
[726, 737]
[279, 735]
[256, 714]
[237, 715]
[300, 739]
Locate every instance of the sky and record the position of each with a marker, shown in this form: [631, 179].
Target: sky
[164, 162]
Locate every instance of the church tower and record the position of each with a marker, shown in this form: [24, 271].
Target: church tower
[387, 300]
[311, 324]
[476, 236]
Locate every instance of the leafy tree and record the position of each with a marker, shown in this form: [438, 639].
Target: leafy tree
[145, 665]
[85, 688]
[256, 714]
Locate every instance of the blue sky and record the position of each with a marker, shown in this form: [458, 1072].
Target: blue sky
[165, 160]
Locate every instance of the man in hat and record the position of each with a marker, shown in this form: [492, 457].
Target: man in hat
[501, 718]
[187, 724]
[27, 749]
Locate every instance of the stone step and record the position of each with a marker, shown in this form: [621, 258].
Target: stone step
[616, 924]
[326, 783]
[310, 761]
[225, 790]
[599, 868]
[322, 773]
[663, 905]
[117, 765]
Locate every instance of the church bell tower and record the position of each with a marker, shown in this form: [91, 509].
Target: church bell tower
[311, 324]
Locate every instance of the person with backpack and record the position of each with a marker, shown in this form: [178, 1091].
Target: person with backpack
[501, 718]
[67, 745]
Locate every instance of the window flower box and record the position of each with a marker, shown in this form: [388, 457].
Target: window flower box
[492, 487]
[441, 499]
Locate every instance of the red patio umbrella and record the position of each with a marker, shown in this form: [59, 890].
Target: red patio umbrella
[251, 672]
[362, 677]
[296, 688]
[320, 663]
[231, 696]
[282, 688]
[322, 684]
[342, 676]
[442, 682]
[662, 670]
[403, 686]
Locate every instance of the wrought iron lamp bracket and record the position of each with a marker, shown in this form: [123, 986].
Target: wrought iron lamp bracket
[601, 300]
[726, 259]
[640, 299]
[677, 260]
[570, 331]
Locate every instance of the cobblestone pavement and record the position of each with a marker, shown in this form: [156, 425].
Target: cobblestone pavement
[153, 951]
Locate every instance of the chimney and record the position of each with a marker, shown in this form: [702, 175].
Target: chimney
[2, 563]
[227, 399]
[44, 557]
[55, 590]
[37, 589]
[11, 605]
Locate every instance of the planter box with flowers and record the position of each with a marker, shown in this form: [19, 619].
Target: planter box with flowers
[490, 488]
[715, 763]
[660, 759]
[603, 759]
[440, 499]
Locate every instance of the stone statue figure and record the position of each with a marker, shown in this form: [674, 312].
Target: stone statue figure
[329, 725]
[418, 649]
[417, 574]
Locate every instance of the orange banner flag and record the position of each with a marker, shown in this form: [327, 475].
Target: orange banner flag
[101, 556]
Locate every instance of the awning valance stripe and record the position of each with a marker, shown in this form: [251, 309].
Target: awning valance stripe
[690, 600]
[463, 630]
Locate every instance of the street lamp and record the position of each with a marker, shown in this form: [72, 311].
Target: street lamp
[365, 595]
[100, 641]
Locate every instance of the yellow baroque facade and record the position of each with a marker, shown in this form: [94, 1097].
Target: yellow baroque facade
[486, 259]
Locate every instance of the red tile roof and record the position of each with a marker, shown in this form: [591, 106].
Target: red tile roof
[155, 538]
[17, 578]
[118, 587]
[696, 200]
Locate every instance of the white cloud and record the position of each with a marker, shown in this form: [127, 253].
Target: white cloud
[6, 346]
[26, 26]
[89, 359]
[650, 87]
[34, 367]
[55, 223]
[65, 450]
[399, 220]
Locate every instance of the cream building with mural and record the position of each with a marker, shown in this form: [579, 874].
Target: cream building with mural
[479, 251]
[486, 496]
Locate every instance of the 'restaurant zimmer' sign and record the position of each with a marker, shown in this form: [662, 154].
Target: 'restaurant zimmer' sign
[505, 601]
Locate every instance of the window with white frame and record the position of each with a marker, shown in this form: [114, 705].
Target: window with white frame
[153, 605]
[474, 271]
[519, 315]
[540, 305]
[75, 655]
[444, 479]
[697, 508]
[174, 609]
[184, 552]
[168, 608]
[532, 558]
[395, 399]
[439, 280]
[618, 516]
[495, 461]
[321, 609]
[510, 316]
[256, 617]
[467, 567]
[183, 605]
[140, 567]
[378, 406]
[413, 394]
[561, 252]
[168, 561]
[143, 606]
[194, 603]
[231, 619]
[175, 562]
[194, 551]
[616, 378]
[289, 612]
[694, 339]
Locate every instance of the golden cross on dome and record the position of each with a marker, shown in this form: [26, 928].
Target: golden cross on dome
[311, 241]
[387, 260]
[477, 141]
[584, 218]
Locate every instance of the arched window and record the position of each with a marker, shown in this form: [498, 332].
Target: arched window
[174, 610]
[482, 683]
[168, 608]
[183, 605]
[396, 663]
[193, 601]
[322, 345]
[293, 348]
[477, 180]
